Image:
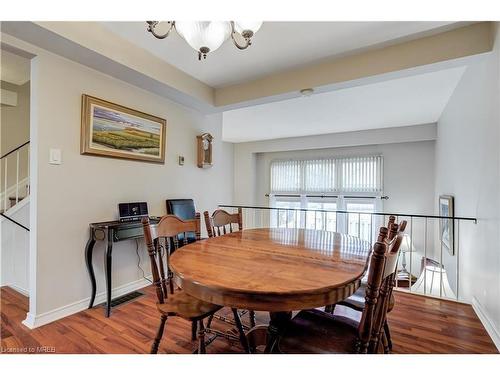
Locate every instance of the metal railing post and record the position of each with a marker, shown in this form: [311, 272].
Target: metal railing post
[28, 188]
[425, 257]
[359, 225]
[5, 193]
[410, 277]
[371, 231]
[17, 176]
[441, 269]
[458, 256]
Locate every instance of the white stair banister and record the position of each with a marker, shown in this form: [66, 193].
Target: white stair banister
[5, 207]
[17, 176]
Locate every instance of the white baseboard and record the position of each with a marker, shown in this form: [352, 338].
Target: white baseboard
[33, 321]
[24, 292]
[488, 324]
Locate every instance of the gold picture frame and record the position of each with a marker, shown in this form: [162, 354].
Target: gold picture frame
[112, 130]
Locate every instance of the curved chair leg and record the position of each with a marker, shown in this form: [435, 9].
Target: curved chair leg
[201, 337]
[387, 334]
[159, 334]
[193, 331]
[243, 338]
[251, 317]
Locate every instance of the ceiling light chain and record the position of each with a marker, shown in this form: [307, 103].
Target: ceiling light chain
[207, 36]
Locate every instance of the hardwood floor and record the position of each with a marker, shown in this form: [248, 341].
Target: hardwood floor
[418, 324]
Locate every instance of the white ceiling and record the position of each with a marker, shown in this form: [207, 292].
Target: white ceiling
[276, 46]
[13, 68]
[414, 100]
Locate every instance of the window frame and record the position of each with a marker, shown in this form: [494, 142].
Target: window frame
[337, 194]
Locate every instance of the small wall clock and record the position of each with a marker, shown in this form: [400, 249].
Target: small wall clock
[205, 150]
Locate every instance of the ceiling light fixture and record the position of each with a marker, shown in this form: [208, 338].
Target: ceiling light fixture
[207, 36]
[307, 92]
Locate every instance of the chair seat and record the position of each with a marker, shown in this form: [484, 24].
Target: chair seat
[187, 307]
[357, 300]
[314, 331]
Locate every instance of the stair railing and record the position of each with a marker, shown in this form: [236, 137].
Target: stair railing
[10, 194]
[429, 264]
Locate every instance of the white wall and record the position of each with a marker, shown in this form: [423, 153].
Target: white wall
[14, 249]
[246, 178]
[87, 189]
[468, 167]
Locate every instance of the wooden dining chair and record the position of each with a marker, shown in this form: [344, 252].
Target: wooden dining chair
[359, 296]
[184, 209]
[357, 300]
[171, 301]
[315, 331]
[220, 223]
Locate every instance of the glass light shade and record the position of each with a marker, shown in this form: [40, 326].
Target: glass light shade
[434, 282]
[209, 34]
[253, 26]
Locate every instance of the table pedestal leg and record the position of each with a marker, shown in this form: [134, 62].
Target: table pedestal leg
[277, 325]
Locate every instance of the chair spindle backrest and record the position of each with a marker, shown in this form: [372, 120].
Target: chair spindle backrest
[392, 220]
[395, 239]
[222, 222]
[375, 273]
[159, 240]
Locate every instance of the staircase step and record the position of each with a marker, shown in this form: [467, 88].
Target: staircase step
[13, 201]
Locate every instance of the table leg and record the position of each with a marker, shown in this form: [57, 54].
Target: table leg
[277, 325]
[107, 270]
[89, 250]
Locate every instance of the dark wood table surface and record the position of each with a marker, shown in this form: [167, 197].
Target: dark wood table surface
[272, 269]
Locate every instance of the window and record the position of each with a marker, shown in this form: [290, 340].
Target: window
[359, 224]
[330, 184]
[321, 219]
[286, 218]
[335, 175]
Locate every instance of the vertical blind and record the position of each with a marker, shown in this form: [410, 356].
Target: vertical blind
[330, 175]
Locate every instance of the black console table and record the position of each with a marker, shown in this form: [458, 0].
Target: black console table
[110, 231]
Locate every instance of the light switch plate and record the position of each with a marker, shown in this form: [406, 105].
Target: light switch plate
[55, 156]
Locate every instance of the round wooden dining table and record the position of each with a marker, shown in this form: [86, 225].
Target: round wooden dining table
[278, 270]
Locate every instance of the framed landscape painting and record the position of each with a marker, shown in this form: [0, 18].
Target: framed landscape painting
[115, 131]
[446, 226]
